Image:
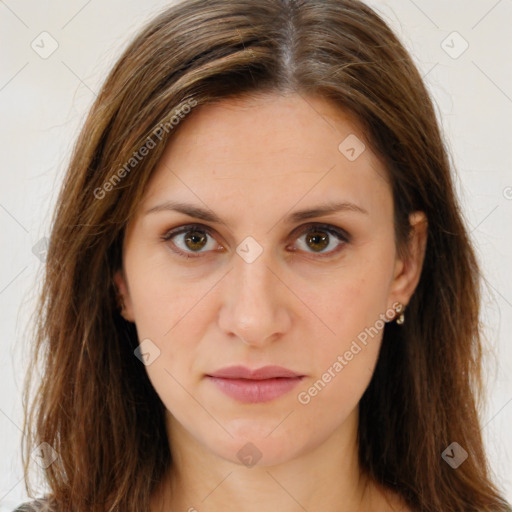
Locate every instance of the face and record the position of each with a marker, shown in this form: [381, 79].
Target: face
[256, 284]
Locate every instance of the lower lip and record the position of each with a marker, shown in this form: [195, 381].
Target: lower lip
[255, 391]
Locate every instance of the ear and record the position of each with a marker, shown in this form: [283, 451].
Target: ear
[122, 287]
[408, 268]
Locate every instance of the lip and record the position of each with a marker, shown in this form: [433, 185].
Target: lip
[265, 372]
[255, 385]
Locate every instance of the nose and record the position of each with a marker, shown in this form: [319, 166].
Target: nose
[256, 304]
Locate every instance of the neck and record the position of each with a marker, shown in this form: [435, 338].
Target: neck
[325, 477]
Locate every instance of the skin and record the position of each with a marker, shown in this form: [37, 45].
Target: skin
[254, 161]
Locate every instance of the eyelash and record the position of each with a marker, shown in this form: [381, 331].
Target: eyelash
[331, 230]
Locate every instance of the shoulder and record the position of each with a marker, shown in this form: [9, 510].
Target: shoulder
[33, 506]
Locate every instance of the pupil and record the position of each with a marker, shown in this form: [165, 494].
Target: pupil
[319, 239]
[193, 238]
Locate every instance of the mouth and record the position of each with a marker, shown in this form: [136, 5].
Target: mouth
[255, 386]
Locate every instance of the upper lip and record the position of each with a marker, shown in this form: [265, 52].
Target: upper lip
[265, 372]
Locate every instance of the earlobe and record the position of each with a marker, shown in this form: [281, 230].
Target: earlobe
[123, 296]
[408, 268]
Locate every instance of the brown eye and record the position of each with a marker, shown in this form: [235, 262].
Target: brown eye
[191, 239]
[317, 240]
[322, 239]
[195, 240]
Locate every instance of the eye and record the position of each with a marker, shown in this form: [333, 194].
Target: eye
[195, 239]
[324, 239]
[321, 238]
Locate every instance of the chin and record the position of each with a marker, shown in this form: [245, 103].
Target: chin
[258, 451]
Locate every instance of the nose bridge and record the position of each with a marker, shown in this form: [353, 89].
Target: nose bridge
[254, 284]
[252, 309]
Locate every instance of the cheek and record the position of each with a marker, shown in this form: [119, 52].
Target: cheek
[351, 299]
[343, 362]
[335, 394]
[170, 313]
[346, 356]
[353, 305]
[163, 295]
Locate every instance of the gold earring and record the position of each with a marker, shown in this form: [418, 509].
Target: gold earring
[400, 314]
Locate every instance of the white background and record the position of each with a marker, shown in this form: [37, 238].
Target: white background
[44, 101]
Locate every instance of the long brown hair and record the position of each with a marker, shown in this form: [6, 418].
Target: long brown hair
[95, 405]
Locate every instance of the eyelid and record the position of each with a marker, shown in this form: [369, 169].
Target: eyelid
[330, 228]
[171, 233]
[338, 232]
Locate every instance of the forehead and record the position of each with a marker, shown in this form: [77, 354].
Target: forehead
[268, 149]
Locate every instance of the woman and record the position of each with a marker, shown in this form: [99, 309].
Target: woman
[260, 294]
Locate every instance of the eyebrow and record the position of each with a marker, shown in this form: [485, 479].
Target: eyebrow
[209, 216]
